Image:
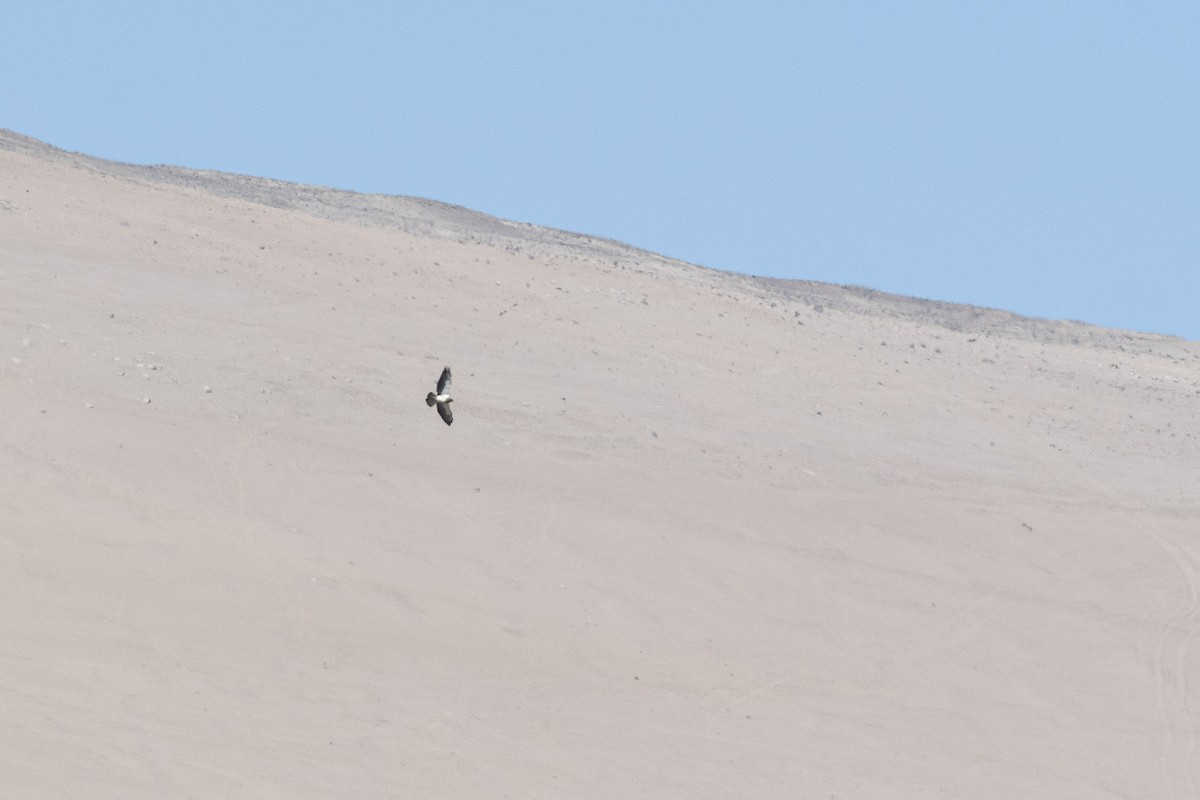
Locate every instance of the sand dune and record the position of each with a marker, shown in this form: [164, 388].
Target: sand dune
[692, 534]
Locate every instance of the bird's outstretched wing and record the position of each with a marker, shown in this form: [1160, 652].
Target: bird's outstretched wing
[444, 381]
[444, 411]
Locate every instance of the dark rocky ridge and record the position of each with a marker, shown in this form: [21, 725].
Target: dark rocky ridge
[431, 218]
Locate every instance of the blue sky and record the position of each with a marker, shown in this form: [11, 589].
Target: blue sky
[1042, 157]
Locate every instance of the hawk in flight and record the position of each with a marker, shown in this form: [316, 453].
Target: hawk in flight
[442, 398]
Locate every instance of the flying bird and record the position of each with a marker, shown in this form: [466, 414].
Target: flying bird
[442, 398]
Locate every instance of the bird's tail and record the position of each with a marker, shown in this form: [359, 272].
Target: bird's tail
[430, 399]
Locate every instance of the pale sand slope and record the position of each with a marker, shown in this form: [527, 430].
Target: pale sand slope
[692, 535]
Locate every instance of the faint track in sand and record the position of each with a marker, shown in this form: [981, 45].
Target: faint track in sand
[235, 481]
[763, 682]
[1170, 664]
